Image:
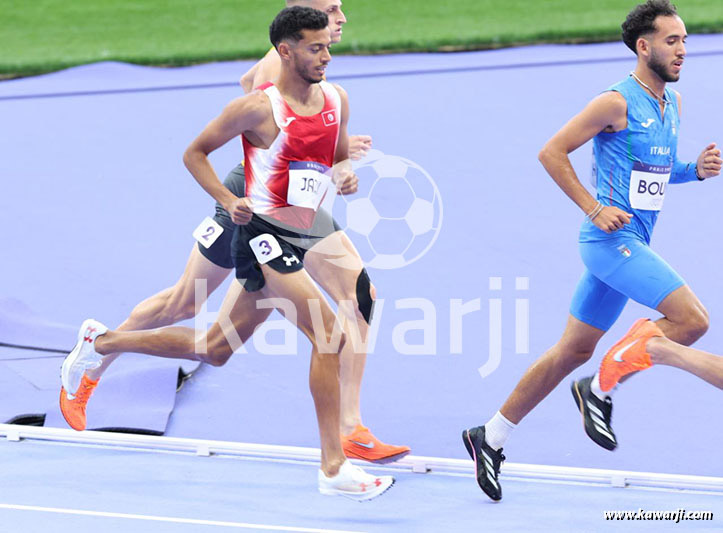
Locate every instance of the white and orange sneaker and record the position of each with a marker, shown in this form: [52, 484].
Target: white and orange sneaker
[352, 482]
[83, 357]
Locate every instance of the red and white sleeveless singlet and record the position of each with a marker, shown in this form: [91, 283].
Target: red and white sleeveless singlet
[288, 180]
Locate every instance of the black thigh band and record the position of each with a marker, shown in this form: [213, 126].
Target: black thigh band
[364, 297]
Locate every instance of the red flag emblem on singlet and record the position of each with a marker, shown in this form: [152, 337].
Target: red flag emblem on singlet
[329, 118]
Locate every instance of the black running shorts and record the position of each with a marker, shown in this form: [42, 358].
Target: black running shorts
[281, 248]
[219, 253]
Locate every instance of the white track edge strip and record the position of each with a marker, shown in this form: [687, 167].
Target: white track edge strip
[416, 463]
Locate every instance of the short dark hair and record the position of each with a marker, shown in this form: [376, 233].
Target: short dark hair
[641, 20]
[290, 22]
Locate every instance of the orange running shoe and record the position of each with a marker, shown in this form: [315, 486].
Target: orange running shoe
[74, 409]
[361, 444]
[629, 354]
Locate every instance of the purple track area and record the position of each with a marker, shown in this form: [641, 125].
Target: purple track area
[158, 487]
[97, 212]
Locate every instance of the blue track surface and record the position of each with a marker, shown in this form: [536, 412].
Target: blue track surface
[236, 490]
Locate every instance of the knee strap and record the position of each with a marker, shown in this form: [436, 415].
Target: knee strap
[364, 297]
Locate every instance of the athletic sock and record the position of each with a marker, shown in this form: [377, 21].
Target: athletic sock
[498, 430]
[596, 390]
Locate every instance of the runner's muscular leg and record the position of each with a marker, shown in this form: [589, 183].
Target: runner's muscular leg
[312, 314]
[685, 321]
[236, 322]
[574, 348]
[334, 263]
[173, 304]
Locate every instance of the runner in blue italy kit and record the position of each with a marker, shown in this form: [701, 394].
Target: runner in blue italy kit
[633, 167]
[634, 126]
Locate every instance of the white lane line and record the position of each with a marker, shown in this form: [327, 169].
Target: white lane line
[239, 525]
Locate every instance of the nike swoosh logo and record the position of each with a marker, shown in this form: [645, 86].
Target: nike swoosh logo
[619, 355]
[289, 120]
[647, 123]
[368, 445]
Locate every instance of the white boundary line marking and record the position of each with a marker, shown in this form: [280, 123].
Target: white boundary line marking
[103, 514]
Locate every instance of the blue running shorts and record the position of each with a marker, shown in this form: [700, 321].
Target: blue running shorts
[617, 269]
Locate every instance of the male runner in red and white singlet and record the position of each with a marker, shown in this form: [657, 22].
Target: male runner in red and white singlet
[294, 131]
[211, 260]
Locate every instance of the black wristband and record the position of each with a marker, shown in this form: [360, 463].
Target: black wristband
[696, 173]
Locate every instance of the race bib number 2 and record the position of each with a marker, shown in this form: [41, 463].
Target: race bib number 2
[207, 232]
[308, 184]
[647, 186]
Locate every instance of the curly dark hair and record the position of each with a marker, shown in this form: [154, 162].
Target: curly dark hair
[290, 22]
[641, 20]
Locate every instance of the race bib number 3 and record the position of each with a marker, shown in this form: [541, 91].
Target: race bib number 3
[207, 232]
[265, 248]
[308, 183]
[647, 186]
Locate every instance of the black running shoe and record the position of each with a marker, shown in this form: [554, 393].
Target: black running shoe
[596, 414]
[487, 461]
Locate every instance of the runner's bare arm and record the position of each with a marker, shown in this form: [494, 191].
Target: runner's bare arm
[239, 116]
[247, 80]
[266, 70]
[709, 162]
[347, 182]
[359, 146]
[606, 112]
[342, 146]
